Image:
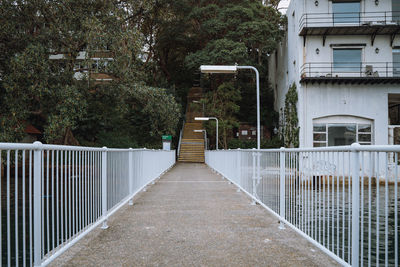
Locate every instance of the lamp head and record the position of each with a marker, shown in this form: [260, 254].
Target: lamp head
[201, 118]
[218, 69]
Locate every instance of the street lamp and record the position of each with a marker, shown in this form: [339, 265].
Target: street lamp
[205, 136]
[206, 119]
[234, 69]
[198, 102]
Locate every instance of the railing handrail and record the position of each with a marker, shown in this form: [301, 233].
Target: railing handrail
[180, 137]
[26, 146]
[387, 69]
[386, 16]
[361, 62]
[351, 148]
[360, 12]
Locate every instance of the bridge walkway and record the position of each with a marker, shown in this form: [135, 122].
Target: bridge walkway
[192, 217]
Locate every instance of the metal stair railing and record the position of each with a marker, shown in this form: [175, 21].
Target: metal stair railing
[180, 137]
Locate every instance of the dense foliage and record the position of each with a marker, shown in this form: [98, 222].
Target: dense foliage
[291, 128]
[152, 44]
[41, 42]
[241, 32]
[188, 33]
[222, 103]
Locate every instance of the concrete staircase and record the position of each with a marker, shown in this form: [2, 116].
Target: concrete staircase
[192, 144]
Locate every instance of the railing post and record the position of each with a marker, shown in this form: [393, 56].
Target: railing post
[130, 174]
[282, 186]
[254, 177]
[239, 168]
[258, 169]
[142, 170]
[37, 204]
[104, 186]
[355, 205]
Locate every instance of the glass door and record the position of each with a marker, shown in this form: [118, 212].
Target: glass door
[347, 61]
[396, 62]
[346, 12]
[396, 10]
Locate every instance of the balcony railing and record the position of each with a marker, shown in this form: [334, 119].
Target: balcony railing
[351, 70]
[349, 19]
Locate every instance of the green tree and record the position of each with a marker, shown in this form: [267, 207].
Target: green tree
[184, 34]
[291, 128]
[222, 103]
[238, 32]
[38, 89]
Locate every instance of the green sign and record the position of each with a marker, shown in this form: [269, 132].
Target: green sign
[167, 137]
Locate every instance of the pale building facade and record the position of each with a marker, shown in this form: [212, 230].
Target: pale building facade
[344, 57]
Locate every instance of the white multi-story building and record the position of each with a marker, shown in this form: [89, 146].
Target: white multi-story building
[344, 57]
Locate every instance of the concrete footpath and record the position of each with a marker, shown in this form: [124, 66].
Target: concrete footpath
[192, 217]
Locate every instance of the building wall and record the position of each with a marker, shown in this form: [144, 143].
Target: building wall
[325, 6]
[382, 42]
[283, 64]
[368, 102]
[320, 100]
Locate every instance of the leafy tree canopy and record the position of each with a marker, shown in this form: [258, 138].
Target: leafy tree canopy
[241, 31]
[153, 44]
[41, 43]
[223, 104]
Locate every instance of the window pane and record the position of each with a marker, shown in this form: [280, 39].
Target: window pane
[364, 138]
[319, 144]
[319, 127]
[396, 10]
[346, 12]
[364, 128]
[396, 62]
[341, 134]
[319, 137]
[347, 60]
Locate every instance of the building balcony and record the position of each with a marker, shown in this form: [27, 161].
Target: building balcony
[350, 23]
[351, 73]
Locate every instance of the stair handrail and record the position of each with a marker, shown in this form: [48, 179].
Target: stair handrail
[180, 137]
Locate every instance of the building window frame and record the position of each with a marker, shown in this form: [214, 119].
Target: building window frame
[320, 128]
[396, 65]
[347, 68]
[321, 133]
[346, 18]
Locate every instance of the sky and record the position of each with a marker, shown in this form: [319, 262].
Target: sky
[283, 5]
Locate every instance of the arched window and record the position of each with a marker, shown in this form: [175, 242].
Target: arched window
[342, 131]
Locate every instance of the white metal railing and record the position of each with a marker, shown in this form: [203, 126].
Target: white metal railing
[51, 196]
[313, 191]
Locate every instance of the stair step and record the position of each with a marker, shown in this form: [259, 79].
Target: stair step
[191, 158]
[192, 143]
